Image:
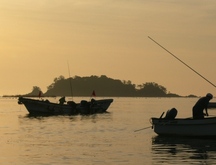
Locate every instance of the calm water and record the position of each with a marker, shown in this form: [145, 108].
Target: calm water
[99, 139]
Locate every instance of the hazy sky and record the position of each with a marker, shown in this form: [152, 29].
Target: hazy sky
[107, 37]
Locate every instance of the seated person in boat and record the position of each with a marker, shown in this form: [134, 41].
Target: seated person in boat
[200, 105]
[62, 100]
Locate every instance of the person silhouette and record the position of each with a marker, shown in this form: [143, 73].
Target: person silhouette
[200, 105]
[62, 100]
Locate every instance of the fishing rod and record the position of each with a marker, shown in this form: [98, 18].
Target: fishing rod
[149, 126]
[70, 80]
[143, 128]
[182, 62]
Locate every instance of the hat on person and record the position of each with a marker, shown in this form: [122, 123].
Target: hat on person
[209, 95]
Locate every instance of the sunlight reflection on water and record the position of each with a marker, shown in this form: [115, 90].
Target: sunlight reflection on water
[99, 139]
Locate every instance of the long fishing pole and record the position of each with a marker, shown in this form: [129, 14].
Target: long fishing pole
[71, 89]
[143, 128]
[182, 62]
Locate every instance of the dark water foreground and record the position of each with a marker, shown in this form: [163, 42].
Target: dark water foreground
[179, 150]
[99, 139]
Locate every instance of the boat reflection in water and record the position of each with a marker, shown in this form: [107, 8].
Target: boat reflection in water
[183, 150]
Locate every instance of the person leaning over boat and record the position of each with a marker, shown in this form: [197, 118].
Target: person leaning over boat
[200, 105]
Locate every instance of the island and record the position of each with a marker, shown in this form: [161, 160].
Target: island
[102, 86]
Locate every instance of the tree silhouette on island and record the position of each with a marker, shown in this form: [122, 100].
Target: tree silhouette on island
[103, 86]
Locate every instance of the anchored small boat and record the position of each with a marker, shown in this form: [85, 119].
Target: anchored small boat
[212, 105]
[71, 108]
[169, 125]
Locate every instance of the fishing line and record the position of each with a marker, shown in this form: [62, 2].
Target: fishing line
[182, 62]
[71, 89]
[143, 128]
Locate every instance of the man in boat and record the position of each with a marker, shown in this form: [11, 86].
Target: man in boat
[62, 100]
[200, 105]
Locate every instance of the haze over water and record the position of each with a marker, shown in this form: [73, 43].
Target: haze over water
[99, 139]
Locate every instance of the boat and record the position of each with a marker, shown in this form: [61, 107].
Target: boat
[40, 106]
[212, 105]
[171, 126]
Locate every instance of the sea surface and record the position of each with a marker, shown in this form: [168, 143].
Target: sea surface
[102, 139]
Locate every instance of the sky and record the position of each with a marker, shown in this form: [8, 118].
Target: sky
[41, 39]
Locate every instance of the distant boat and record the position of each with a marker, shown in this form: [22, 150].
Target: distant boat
[212, 105]
[71, 108]
[172, 126]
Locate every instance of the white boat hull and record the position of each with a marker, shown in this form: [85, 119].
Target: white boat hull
[185, 127]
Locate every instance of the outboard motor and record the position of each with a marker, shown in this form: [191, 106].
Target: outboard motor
[171, 114]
